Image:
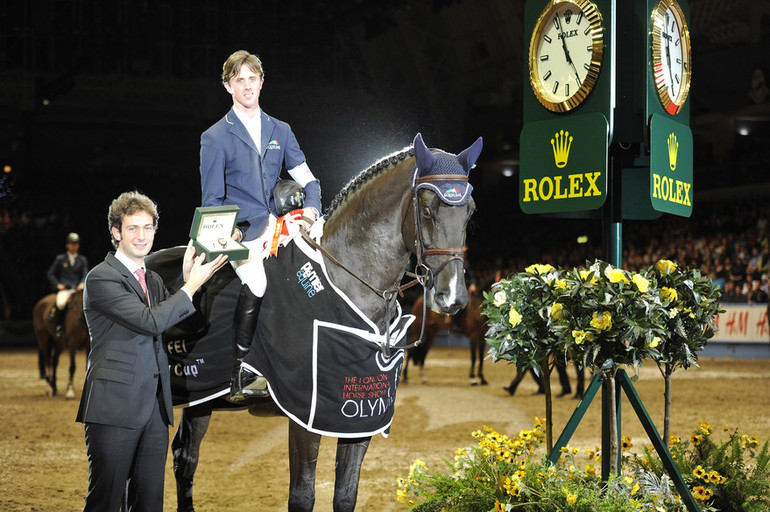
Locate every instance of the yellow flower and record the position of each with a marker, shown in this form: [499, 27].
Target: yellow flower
[571, 497]
[560, 284]
[514, 318]
[654, 342]
[500, 298]
[705, 428]
[665, 267]
[674, 440]
[701, 493]
[713, 477]
[538, 268]
[579, 336]
[626, 443]
[669, 293]
[499, 507]
[584, 276]
[590, 470]
[641, 283]
[616, 275]
[699, 472]
[556, 310]
[696, 439]
[601, 323]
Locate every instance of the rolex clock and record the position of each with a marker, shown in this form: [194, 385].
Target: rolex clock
[565, 53]
[671, 58]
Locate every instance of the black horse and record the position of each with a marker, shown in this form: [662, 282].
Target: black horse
[409, 203]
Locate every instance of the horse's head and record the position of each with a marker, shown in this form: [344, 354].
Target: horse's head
[442, 207]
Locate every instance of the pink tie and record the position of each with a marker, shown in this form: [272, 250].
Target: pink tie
[140, 274]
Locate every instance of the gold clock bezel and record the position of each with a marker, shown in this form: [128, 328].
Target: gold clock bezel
[592, 14]
[671, 105]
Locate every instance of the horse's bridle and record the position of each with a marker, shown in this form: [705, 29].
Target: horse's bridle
[423, 274]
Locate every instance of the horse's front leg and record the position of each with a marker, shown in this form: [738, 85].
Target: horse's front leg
[54, 366]
[186, 449]
[350, 456]
[70, 386]
[480, 346]
[303, 458]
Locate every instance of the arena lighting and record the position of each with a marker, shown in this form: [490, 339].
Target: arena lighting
[508, 168]
[7, 168]
[582, 239]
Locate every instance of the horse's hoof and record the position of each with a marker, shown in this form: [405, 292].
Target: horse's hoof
[484, 382]
[70, 394]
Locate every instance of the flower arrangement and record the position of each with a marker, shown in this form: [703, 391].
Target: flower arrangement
[601, 317]
[507, 474]
[733, 474]
[610, 317]
[691, 303]
[522, 312]
[520, 316]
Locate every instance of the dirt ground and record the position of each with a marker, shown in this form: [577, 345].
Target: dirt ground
[244, 465]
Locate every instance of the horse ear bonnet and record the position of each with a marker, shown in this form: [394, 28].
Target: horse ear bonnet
[453, 193]
[289, 196]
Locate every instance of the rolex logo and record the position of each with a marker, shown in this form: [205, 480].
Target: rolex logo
[673, 148]
[561, 144]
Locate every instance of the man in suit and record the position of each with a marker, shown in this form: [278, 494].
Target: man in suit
[66, 275]
[241, 159]
[126, 401]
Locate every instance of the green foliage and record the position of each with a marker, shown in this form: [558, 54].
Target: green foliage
[511, 474]
[610, 316]
[601, 316]
[729, 476]
[520, 325]
[691, 302]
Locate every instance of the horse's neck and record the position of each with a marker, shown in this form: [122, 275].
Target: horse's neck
[366, 237]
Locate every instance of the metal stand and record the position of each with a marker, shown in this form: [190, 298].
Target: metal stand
[625, 383]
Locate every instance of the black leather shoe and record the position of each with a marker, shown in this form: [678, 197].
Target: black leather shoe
[247, 384]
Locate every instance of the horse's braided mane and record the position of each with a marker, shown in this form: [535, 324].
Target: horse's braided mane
[365, 176]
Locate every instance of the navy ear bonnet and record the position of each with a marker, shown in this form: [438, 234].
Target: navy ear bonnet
[444, 173]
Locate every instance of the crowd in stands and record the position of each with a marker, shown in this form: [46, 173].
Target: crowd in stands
[727, 240]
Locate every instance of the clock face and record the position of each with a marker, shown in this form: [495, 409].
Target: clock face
[565, 53]
[670, 55]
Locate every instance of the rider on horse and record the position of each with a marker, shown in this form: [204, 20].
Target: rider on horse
[240, 161]
[66, 275]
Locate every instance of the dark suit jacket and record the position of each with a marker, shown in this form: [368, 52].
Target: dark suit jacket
[126, 359]
[62, 272]
[233, 171]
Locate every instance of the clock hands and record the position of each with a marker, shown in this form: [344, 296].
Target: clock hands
[567, 56]
[667, 37]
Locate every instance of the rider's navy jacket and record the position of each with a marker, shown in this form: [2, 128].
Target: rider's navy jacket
[234, 173]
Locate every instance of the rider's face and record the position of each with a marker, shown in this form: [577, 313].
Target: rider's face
[245, 88]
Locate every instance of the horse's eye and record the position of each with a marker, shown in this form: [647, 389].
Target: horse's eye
[426, 211]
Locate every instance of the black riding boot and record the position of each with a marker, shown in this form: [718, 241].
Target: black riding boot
[244, 383]
[55, 316]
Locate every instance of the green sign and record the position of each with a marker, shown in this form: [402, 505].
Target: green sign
[563, 164]
[670, 166]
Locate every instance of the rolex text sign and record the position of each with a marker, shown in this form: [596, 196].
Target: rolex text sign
[670, 166]
[563, 164]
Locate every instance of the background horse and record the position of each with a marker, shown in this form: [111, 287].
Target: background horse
[470, 324]
[49, 347]
[382, 217]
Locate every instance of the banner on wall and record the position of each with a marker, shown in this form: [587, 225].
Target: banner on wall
[743, 323]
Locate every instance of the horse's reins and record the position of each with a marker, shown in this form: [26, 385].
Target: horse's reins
[425, 280]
